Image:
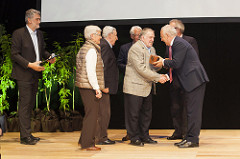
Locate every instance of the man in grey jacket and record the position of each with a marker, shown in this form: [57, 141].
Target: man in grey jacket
[140, 78]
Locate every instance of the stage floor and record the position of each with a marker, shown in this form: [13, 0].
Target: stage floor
[214, 144]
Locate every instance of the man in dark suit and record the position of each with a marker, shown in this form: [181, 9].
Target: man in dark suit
[186, 72]
[28, 48]
[123, 53]
[111, 80]
[178, 106]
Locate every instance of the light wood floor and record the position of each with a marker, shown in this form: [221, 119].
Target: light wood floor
[214, 144]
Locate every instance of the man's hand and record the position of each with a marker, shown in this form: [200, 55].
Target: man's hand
[158, 63]
[98, 94]
[106, 90]
[36, 66]
[163, 78]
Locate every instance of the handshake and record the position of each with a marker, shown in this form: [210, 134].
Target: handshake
[157, 61]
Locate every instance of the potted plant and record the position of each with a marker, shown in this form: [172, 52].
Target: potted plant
[49, 120]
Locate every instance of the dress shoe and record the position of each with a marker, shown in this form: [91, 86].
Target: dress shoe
[126, 138]
[188, 144]
[180, 143]
[94, 148]
[150, 141]
[137, 143]
[28, 141]
[35, 138]
[106, 142]
[173, 137]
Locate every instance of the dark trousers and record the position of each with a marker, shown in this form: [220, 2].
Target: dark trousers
[194, 104]
[178, 108]
[138, 115]
[92, 106]
[103, 118]
[27, 101]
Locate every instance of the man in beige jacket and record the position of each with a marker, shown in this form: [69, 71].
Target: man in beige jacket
[140, 78]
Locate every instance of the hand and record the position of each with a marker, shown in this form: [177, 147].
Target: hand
[98, 94]
[36, 66]
[163, 78]
[158, 63]
[106, 90]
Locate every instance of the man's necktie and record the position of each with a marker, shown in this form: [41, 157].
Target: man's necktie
[170, 57]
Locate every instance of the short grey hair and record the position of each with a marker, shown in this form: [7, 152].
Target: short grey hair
[179, 24]
[89, 30]
[107, 30]
[171, 31]
[30, 13]
[133, 28]
[145, 31]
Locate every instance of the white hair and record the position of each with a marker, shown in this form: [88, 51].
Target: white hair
[171, 31]
[133, 28]
[107, 30]
[30, 13]
[89, 30]
[145, 31]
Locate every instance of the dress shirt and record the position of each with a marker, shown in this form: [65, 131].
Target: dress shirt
[35, 42]
[91, 61]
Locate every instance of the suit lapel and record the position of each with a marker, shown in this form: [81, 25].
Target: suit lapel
[29, 39]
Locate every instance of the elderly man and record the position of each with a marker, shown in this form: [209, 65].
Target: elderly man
[123, 53]
[186, 72]
[90, 80]
[138, 82]
[178, 106]
[111, 81]
[28, 48]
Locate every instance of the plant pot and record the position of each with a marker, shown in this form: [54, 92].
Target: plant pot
[50, 122]
[77, 120]
[13, 124]
[66, 125]
[36, 125]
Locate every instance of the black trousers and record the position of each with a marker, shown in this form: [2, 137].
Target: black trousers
[194, 104]
[178, 108]
[92, 107]
[27, 101]
[138, 115]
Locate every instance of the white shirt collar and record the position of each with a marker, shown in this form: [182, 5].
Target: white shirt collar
[108, 43]
[172, 41]
[30, 30]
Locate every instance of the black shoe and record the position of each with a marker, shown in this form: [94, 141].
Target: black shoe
[173, 137]
[188, 145]
[180, 143]
[35, 138]
[150, 141]
[137, 143]
[106, 142]
[126, 138]
[28, 141]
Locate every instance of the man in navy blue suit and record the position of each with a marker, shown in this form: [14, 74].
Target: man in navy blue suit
[186, 72]
[178, 106]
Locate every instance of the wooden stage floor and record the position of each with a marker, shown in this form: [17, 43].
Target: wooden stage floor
[214, 144]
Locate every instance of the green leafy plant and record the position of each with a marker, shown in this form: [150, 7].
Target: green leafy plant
[5, 71]
[49, 77]
[72, 50]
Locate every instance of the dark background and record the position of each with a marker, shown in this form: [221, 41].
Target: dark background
[219, 53]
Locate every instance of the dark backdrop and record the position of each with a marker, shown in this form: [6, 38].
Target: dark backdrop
[219, 53]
